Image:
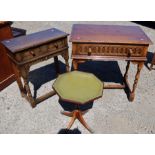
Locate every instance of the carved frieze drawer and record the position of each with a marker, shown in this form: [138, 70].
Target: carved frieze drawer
[108, 50]
[51, 47]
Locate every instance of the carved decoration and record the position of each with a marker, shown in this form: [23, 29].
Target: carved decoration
[37, 51]
[111, 50]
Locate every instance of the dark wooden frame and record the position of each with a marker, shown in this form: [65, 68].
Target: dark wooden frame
[7, 32]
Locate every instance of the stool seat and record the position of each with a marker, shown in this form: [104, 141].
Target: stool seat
[78, 88]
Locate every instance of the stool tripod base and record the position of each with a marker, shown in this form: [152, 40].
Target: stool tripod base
[77, 114]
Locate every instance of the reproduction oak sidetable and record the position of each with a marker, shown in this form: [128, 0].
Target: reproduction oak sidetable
[110, 43]
[31, 49]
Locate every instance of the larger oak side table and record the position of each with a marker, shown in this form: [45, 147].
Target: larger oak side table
[110, 43]
[31, 49]
[78, 88]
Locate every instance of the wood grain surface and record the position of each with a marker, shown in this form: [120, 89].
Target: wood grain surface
[108, 34]
[33, 40]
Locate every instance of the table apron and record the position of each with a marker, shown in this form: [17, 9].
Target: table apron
[39, 58]
[108, 58]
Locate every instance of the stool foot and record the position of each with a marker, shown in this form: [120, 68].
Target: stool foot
[77, 114]
[72, 121]
[83, 122]
[67, 113]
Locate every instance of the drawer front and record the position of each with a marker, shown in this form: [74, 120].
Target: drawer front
[109, 50]
[41, 50]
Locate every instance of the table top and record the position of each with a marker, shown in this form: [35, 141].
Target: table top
[32, 40]
[78, 87]
[108, 34]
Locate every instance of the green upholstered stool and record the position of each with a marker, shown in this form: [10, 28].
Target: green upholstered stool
[78, 88]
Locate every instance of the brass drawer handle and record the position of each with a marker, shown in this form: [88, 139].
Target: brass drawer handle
[130, 52]
[89, 51]
[32, 53]
[56, 45]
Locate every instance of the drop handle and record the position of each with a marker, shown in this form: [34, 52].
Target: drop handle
[130, 52]
[32, 53]
[89, 51]
[56, 45]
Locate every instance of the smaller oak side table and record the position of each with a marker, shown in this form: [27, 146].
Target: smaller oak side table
[31, 49]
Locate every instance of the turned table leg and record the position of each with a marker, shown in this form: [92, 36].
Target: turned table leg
[56, 62]
[66, 61]
[66, 58]
[127, 86]
[25, 74]
[132, 93]
[127, 69]
[75, 64]
[18, 79]
[153, 62]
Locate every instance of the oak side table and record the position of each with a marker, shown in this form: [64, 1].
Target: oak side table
[31, 49]
[110, 43]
